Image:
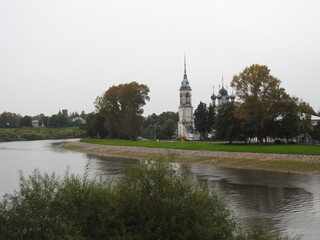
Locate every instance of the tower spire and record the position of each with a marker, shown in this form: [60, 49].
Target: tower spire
[222, 81]
[185, 65]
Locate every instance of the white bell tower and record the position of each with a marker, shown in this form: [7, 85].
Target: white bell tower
[185, 124]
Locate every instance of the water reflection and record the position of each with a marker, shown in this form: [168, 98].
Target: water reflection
[107, 166]
[285, 202]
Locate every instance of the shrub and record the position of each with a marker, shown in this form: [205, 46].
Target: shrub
[6, 136]
[152, 200]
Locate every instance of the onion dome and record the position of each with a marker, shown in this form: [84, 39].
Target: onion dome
[223, 92]
[232, 96]
[213, 96]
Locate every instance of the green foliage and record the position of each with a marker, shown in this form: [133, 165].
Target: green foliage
[58, 120]
[7, 136]
[201, 119]
[227, 124]
[152, 200]
[38, 133]
[287, 125]
[163, 126]
[305, 112]
[8, 120]
[121, 108]
[169, 128]
[25, 121]
[262, 99]
[315, 133]
[95, 125]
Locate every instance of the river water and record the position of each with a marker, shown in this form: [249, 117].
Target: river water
[285, 202]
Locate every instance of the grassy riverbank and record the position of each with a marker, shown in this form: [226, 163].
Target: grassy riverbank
[210, 146]
[38, 133]
[297, 163]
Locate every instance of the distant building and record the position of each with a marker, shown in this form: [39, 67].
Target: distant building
[186, 125]
[222, 97]
[315, 120]
[79, 120]
[35, 123]
[65, 112]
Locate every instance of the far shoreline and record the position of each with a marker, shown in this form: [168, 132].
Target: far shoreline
[302, 164]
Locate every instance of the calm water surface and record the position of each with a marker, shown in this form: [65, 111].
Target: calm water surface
[286, 202]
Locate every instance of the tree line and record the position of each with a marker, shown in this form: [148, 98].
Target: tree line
[264, 110]
[13, 120]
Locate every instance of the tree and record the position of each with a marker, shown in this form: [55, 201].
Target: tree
[58, 120]
[287, 125]
[227, 125]
[261, 99]
[305, 112]
[94, 125]
[211, 116]
[25, 121]
[315, 133]
[201, 120]
[121, 106]
[9, 120]
[169, 128]
[157, 123]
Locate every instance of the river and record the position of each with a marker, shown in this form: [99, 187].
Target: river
[286, 202]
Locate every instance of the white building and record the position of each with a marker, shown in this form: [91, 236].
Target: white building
[222, 97]
[185, 124]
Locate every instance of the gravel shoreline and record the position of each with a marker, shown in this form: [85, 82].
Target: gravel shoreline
[191, 156]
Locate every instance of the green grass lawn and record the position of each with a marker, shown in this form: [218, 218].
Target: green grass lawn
[208, 146]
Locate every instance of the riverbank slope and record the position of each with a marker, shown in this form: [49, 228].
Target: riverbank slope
[306, 164]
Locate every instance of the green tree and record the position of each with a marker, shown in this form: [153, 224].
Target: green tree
[201, 120]
[157, 123]
[305, 112]
[170, 128]
[58, 120]
[227, 124]
[122, 109]
[212, 116]
[25, 121]
[94, 125]
[287, 126]
[315, 133]
[261, 99]
[9, 120]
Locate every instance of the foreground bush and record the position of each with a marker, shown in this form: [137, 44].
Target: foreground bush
[150, 201]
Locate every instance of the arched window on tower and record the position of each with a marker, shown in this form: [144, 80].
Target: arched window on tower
[188, 98]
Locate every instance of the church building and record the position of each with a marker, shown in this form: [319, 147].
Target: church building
[185, 124]
[222, 97]
[186, 127]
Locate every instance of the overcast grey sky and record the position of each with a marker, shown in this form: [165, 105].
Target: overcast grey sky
[62, 54]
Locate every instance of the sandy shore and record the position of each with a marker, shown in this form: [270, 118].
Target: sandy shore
[223, 159]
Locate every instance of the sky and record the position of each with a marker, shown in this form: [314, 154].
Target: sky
[62, 54]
